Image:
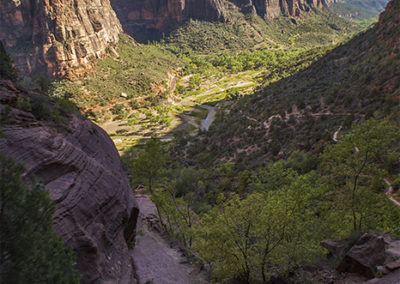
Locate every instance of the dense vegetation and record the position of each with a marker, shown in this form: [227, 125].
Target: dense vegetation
[124, 81]
[305, 158]
[249, 225]
[355, 81]
[30, 251]
[253, 196]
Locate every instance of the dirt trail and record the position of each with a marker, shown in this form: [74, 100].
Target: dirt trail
[335, 135]
[153, 257]
[389, 192]
[389, 189]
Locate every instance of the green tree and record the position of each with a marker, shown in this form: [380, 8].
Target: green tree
[30, 251]
[7, 71]
[274, 176]
[355, 168]
[174, 213]
[147, 166]
[249, 239]
[194, 82]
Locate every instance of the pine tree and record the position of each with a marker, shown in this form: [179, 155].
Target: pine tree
[7, 71]
[30, 251]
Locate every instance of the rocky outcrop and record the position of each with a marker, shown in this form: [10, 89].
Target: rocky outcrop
[81, 169]
[163, 15]
[389, 25]
[54, 36]
[370, 255]
[364, 257]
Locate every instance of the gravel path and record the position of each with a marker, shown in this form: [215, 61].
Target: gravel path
[153, 257]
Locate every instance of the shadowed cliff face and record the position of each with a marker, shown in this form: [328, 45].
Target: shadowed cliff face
[54, 36]
[154, 17]
[80, 167]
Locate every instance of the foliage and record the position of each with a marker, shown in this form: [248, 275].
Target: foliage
[149, 163]
[126, 71]
[250, 239]
[31, 252]
[316, 28]
[355, 171]
[301, 109]
[7, 71]
[175, 214]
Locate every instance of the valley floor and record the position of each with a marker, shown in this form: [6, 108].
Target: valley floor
[192, 113]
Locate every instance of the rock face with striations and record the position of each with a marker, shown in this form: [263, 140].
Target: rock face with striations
[53, 36]
[163, 15]
[80, 167]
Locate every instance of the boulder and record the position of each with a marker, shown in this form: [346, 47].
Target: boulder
[364, 257]
[335, 247]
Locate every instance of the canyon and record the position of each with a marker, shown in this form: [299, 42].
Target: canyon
[78, 163]
[158, 17]
[63, 38]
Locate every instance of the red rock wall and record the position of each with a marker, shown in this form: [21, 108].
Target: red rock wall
[53, 36]
[80, 167]
[164, 15]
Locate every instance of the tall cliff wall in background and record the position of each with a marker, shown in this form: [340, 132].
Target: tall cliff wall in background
[52, 36]
[160, 16]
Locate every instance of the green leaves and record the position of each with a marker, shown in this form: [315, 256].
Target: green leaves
[7, 71]
[148, 165]
[355, 168]
[30, 251]
[251, 238]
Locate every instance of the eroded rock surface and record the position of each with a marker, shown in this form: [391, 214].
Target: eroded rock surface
[54, 36]
[370, 256]
[80, 167]
[163, 15]
[364, 257]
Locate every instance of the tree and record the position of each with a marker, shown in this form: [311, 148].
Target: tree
[174, 213]
[355, 171]
[149, 163]
[30, 251]
[194, 82]
[249, 239]
[7, 71]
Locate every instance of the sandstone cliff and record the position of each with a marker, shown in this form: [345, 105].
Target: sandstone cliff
[80, 167]
[163, 15]
[54, 36]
